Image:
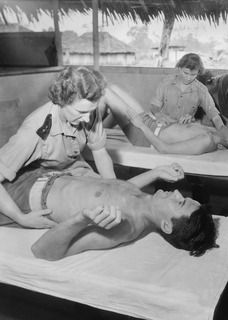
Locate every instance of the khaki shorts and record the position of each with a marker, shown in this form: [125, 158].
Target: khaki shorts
[136, 136]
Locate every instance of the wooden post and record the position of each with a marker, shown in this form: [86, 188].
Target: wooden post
[58, 38]
[165, 39]
[96, 52]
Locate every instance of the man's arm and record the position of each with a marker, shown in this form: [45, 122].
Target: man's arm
[170, 173]
[77, 234]
[104, 163]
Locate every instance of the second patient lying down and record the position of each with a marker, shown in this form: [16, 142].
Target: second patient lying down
[142, 129]
[79, 205]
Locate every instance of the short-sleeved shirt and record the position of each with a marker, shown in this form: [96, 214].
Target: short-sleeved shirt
[177, 103]
[59, 150]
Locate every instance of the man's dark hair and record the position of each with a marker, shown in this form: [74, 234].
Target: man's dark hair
[192, 61]
[196, 233]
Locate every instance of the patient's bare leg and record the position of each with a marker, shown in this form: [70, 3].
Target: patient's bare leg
[119, 103]
[201, 143]
[182, 132]
[179, 139]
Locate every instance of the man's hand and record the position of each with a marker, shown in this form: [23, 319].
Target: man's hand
[186, 119]
[37, 219]
[105, 217]
[170, 173]
[164, 119]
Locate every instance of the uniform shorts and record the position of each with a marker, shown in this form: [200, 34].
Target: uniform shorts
[136, 135]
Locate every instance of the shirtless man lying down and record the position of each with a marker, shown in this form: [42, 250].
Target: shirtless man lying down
[82, 206]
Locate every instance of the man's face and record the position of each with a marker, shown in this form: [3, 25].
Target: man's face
[171, 204]
[79, 111]
[187, 76]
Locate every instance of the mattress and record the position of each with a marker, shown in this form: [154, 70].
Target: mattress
[124, 153]
[148, 278]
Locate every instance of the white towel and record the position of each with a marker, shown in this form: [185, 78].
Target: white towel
[148, 279]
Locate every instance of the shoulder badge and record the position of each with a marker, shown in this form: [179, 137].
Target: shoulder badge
[45, 129]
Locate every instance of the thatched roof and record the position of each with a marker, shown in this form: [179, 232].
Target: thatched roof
[13, 27]
[84, 43]
[145, 10]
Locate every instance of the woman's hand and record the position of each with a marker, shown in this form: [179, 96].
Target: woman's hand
[105, 217]
[186, 119]
[164, 119]
[170, 173]
[37, 219]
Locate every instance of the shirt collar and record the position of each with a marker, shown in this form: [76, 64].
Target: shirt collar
[58, 125]
[191, 87]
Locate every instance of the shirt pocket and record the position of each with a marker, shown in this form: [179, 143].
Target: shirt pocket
[190, 104]
[72, 146]
[171, 99]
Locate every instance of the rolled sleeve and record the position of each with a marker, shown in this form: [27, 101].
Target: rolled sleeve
[208, 105]
[97, 135]
[16, 152]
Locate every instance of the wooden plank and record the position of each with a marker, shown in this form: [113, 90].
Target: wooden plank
[58, 40]
[96, 50]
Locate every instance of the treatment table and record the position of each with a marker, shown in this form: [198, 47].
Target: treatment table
[147, 279]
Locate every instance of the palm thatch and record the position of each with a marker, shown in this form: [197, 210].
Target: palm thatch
[145, 10]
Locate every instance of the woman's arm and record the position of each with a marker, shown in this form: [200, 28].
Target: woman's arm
[104, 163]
[208, 105]
[20, 148]
[217, 121]
[34, 219]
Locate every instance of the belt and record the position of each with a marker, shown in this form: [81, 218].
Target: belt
[40, 189]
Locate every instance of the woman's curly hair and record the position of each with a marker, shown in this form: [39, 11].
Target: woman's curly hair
[197, 233]
[76, 82]
[192, 61]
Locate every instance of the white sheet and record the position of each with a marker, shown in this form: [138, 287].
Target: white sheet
[147, 279]
[123, 153]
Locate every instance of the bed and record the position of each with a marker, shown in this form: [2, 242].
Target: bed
[148, 279]
[214, 164]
